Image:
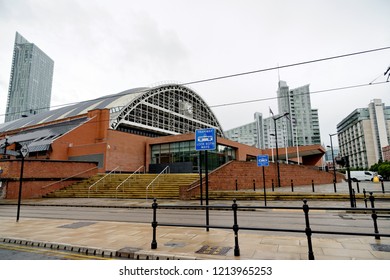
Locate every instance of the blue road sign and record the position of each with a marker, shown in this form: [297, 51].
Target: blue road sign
[205, 139]
[262, 160]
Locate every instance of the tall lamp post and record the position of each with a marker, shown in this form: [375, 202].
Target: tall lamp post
[334, 163]
[344, 161]
[294, 122]
[276, 142]
[5, 148]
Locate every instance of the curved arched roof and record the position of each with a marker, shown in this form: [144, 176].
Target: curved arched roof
[163, 110]
[167, 110]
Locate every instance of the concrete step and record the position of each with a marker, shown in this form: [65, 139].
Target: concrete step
[167, 186]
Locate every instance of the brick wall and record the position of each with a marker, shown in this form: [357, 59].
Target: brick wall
[125, 150]
[87, 139]
[118, 149]
[42, 176]
[224, 178]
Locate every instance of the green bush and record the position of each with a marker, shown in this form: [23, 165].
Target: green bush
[383, 168]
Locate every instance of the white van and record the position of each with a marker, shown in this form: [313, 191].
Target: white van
[357, 176]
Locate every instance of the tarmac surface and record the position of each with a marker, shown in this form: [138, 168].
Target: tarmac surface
[133, 240]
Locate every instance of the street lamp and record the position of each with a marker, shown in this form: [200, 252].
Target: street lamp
[344, 161]
[5, 147]
[272, 148]
[334, 163]
[296, 137]
[276, 142]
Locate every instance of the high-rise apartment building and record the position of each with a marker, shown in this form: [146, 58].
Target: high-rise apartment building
[363, 134]
[300, 127]
[251, 134]
[31, 79]
[303, 126]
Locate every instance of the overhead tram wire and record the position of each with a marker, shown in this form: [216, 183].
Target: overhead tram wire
[312, 92]
[239, 74]
[284, 66]
[265, 99]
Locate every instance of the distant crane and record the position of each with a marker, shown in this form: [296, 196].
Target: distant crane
[387, 72]
[388, 76]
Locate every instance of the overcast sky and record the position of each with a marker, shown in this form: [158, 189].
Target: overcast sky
[105, 47]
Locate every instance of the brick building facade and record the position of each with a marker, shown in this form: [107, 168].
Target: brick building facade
[124, 132]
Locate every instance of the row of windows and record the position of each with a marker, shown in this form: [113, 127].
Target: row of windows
[138, 131]
[185, 152]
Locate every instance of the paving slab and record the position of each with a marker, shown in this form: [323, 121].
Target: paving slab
[133, 240]
[115, 238]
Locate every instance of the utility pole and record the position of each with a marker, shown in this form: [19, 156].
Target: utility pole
[334, 163]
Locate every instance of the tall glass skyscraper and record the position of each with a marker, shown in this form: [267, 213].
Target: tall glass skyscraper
[31, 79]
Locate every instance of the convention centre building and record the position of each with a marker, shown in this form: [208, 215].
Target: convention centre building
[141, 127]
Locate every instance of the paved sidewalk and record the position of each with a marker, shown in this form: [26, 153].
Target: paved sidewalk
[133, 240]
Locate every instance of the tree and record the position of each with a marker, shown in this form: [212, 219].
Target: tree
[375, 167]
[384, 170]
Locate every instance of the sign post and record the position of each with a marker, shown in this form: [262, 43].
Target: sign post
[24, 153]
[206, 140]
[262, 161]
[200, 178]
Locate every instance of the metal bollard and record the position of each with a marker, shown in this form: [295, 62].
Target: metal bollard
[308, 230]
[273, 186]
[236, 185]
[292, 186]
[235, 229]
[383, 187]
[154, 224]
[312, 185]
[374, 217]
[357, 186]
[365, 197]
[354, 198]
[254, 185]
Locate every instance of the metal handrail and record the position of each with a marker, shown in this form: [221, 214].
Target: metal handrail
[128, 178]
[91, 186]
[70, 177]
[165, 170]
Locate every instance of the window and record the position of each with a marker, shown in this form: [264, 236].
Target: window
[185, 152]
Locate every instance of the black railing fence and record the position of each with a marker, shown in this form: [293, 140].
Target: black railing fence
[313, 189]
[305, 208]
